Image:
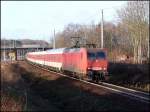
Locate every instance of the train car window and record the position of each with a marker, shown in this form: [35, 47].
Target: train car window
[91, 56]
[100, 55]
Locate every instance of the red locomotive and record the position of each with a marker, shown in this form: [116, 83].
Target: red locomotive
[86, 63]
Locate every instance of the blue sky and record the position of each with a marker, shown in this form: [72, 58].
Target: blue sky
[37, 19]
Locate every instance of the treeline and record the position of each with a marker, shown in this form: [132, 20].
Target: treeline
[130, 36]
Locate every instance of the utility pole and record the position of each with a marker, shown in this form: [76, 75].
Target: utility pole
[43, 44]
[85, 38]
[54, 40]
[13, 43]
[15, 50]
[148, 49]
[102, 31]
[4, 51]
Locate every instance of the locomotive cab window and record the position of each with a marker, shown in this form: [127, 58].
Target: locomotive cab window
[91, 55]
[100, 55]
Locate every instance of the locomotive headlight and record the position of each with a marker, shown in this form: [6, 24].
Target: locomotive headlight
[104, 68]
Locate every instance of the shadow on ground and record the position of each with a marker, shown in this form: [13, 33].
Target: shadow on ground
[64, 94]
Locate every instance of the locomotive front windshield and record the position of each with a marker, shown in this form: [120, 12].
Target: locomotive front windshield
[100, 55]
[97, 55]
[91, 56]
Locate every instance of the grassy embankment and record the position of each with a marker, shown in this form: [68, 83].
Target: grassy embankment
[134, 76]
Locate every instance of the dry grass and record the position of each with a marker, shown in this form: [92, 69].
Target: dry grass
[12, 89]
[9, 103]
[130, 75]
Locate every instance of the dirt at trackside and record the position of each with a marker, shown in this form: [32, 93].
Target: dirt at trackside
[41, 90]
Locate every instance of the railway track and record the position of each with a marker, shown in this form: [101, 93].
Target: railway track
[130, 93]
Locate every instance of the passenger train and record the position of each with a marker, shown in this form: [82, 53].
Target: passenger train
[85, 63]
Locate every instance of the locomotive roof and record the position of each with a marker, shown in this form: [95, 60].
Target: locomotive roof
[63, 50]
[90, 49]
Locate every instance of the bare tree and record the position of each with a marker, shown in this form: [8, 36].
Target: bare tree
[135, 18]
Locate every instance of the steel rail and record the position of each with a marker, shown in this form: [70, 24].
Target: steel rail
[126, 88]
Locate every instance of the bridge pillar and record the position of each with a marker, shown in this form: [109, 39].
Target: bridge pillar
[15, 50]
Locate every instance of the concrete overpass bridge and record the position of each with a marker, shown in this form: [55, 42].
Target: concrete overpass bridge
[18, 53]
